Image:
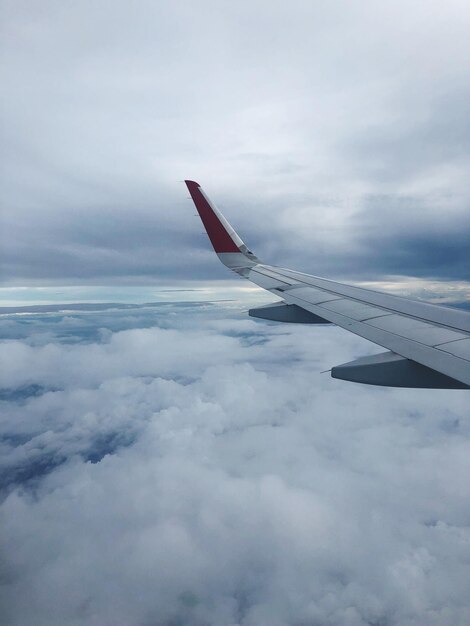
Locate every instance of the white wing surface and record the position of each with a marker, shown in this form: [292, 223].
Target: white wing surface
[428, 346]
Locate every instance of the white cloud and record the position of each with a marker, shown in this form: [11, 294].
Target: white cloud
[240, 486]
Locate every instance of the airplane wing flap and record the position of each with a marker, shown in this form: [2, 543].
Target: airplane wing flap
[459, 348]
[356, 310]
[420, 331]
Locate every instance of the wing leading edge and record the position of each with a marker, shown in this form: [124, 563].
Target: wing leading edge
[428, 346]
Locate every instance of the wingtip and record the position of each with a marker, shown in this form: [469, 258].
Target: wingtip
[192, 183]
[222, 236]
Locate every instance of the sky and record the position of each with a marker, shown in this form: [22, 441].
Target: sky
[165, 459]
[335, 136]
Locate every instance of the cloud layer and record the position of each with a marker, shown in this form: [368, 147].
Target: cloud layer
[190, 466]
[334, 135]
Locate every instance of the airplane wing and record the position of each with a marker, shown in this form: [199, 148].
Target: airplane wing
[428, 346]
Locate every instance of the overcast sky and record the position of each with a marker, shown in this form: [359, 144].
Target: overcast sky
[335, 136]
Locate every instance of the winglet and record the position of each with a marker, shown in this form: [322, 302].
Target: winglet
[222, 235]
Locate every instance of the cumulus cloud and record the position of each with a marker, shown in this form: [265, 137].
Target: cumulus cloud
[203, 471]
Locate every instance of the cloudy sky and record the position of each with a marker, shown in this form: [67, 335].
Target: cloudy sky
[178, 463]
[335, 135]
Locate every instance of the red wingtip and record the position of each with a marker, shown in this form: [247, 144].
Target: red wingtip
[220, 238]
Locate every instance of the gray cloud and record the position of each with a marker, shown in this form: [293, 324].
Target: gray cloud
[203, 471]
[335, 137]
